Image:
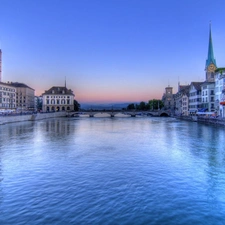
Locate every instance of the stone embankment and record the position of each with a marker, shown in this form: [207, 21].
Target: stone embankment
[205, 120]
[30, 117]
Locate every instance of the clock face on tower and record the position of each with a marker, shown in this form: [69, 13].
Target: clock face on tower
[211, 68]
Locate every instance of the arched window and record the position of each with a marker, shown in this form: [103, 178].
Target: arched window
[63, 102]
[68, 108]
[63, 108]
[52, 101]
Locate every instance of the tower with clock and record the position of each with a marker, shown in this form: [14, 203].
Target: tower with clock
[210, 65]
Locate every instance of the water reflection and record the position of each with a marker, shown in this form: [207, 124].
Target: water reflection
[112, 170]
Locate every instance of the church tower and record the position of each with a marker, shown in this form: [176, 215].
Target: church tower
[210, 65]
[0, 65]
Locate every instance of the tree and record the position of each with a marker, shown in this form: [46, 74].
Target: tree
[76, 105]
[142, 106]
[155, 104]
[131, 106]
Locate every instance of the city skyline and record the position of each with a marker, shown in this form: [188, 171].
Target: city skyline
[114, 51]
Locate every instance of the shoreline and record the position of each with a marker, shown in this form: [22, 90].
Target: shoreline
[30, 117]
[203, 120]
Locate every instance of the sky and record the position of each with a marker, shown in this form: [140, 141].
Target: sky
[109, 50]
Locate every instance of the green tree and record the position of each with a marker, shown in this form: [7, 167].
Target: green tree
[155, 104]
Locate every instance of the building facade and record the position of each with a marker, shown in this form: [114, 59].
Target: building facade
[220, 92]
[58, 99]
[7, 96]
[181, 99]
[194, 97]
[208, 96]
[24, 97]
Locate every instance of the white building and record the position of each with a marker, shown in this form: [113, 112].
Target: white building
[208, 100]
[220, 92]
[58, 99]
[7, 96]
[194, 97]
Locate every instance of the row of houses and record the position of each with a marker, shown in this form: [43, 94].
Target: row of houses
[200, 97]
[20, 97]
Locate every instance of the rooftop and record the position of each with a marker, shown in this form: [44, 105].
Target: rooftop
[59, 90]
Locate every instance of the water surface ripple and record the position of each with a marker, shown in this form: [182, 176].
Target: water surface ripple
[112, 171]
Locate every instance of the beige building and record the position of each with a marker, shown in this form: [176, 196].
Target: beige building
[58, 99]
[181, 99]
[7, 96]
[24, 97]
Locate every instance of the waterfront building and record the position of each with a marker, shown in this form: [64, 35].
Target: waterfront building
[181, 99]
[220, 92]
[24, 97]
[0, 65]
[7, 96]
[58, 99]
[168, 98]
[208, 100]
[194, 97]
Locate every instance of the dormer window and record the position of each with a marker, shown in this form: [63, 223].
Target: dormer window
[53, 91]
[63, 92]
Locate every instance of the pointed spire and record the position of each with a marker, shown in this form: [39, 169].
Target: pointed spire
[210, 58]
[65, 82]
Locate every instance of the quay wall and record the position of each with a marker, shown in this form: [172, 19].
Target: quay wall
[212, 121]
[205, 120]
[30, 117]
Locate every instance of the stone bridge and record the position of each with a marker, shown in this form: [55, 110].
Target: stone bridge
[113, 113]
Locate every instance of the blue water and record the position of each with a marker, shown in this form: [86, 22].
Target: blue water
[112, 171]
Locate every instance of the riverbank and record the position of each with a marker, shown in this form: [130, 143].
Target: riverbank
[29, 117]
[205, 120]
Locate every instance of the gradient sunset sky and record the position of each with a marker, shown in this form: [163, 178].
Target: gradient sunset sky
[109, 50]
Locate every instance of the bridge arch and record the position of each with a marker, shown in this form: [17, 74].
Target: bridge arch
[164, 114]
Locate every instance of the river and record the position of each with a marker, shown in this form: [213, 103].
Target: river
[142, 170]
